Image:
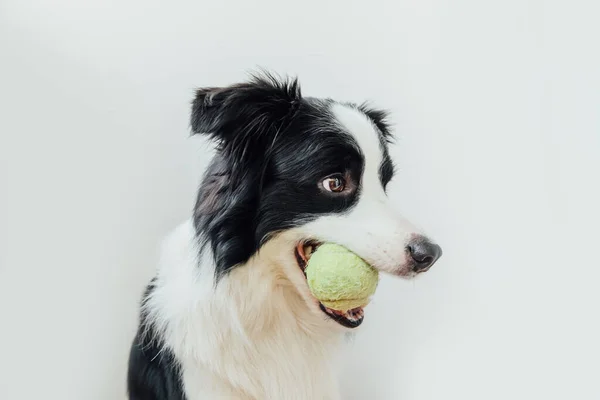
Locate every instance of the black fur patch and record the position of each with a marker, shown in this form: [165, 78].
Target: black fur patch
[154, 373]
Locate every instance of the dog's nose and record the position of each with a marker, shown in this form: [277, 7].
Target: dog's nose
[423, 253]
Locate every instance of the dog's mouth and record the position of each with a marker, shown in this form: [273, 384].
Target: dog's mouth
[349, 319]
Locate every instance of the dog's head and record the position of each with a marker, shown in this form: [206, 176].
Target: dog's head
[300, 171]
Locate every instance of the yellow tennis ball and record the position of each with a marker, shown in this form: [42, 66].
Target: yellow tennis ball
[340, 279]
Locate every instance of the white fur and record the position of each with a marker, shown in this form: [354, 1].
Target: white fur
[259, 334]
[252, 336]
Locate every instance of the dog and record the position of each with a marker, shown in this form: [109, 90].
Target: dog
[229, 314]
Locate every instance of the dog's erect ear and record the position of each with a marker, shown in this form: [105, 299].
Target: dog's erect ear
[252, 110]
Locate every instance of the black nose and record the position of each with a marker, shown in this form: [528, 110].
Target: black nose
[424, 253]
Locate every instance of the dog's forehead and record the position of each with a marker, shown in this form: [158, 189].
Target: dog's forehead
[358, 125]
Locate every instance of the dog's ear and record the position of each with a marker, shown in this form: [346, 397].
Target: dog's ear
[244, 120]
[380, 119]
[250, 111]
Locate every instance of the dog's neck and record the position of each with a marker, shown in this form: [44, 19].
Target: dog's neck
[251, 319]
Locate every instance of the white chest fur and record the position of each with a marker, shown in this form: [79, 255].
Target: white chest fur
[251, 336]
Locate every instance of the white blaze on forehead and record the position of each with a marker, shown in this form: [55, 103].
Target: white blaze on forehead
[365, 133]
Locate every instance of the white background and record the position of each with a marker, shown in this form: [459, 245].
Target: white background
[497, 106]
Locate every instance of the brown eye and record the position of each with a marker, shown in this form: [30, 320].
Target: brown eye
[334, 184]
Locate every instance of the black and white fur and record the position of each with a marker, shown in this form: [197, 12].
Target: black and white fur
[229, 314]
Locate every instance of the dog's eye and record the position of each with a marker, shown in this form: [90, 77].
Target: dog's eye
[334, 183]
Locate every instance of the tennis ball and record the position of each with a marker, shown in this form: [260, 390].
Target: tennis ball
[340, 279]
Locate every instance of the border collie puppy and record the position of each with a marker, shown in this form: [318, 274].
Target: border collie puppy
[229, 314]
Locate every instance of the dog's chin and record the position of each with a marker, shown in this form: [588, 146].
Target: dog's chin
[408, 274]
[348, 319]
